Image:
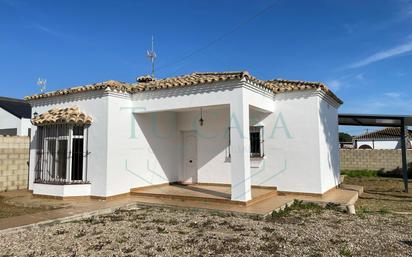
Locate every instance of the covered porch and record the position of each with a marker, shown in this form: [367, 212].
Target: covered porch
[207, 146]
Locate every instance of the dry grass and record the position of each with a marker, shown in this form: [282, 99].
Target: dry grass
[382, 194]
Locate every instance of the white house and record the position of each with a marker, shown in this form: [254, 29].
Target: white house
[14, 117]
[387, 138]
[229, 128]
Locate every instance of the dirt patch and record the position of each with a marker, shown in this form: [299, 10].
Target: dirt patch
[382, 194]
[8, 210]
[160, 231]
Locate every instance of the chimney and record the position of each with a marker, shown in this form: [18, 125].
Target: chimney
[144, 79]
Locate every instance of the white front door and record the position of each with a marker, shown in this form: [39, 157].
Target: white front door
[189, 157]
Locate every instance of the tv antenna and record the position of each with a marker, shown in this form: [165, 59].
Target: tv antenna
[42, 84]
[152, 56]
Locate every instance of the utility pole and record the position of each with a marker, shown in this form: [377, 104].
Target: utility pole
[404, 146]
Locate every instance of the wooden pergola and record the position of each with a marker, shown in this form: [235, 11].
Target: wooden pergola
[400, 121]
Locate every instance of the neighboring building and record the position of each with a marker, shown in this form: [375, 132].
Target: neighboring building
[346, 145]
[220, 127]
[387, 138]
[14, 117]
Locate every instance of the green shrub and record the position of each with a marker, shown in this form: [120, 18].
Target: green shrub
[297, 205]
[360, 173]
[344, 251]
[383, 211]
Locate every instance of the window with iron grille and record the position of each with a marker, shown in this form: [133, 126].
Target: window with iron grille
[62, 154]
[256, 142]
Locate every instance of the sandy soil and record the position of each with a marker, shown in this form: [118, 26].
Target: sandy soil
[8, 210]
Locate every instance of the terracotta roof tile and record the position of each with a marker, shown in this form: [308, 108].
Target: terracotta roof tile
[122, 86]
[70, 115]
[383, 134]
[189, 80]
[197, 78]
[282, 85]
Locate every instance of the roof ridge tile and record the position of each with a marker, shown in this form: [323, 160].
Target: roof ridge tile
[195, 78]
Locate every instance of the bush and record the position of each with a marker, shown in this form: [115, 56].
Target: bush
[396, 173]
[361, 173]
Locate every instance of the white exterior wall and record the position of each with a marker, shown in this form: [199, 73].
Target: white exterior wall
[213, 141]
[291, 145]
[136, 140]
[94, 104]
[142, 148]
[25, 124]
[329, 144]
[9, 121]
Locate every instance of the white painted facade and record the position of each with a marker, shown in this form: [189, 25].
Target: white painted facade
[10, 121]
[137, 140]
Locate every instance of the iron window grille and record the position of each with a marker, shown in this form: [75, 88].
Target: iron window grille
[62, 154]
[256, 136]
[256, 141]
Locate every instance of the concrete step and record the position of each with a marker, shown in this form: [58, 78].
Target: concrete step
[180, 197]
[356, 188]
[190, 196]
[263, 197]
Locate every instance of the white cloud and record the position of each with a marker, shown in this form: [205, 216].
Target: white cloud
[13, 3]
[45, 29]
[360, 76]
[388, 103]
[48, 30]
[345, 81]
[400, 74]
[334, 84]
[392, 94]
[386, 54]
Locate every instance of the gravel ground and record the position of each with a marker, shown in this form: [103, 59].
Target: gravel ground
[304, 230]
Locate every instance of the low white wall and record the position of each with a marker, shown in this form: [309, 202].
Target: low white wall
[380, 144]
[62, 190]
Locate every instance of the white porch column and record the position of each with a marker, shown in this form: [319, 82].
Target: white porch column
[240, 151]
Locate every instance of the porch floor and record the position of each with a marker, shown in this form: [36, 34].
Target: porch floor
[84, 207]
[203, 192]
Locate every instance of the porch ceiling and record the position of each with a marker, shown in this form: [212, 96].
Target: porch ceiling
[207, 107]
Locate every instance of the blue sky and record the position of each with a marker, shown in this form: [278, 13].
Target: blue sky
[361, 49]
